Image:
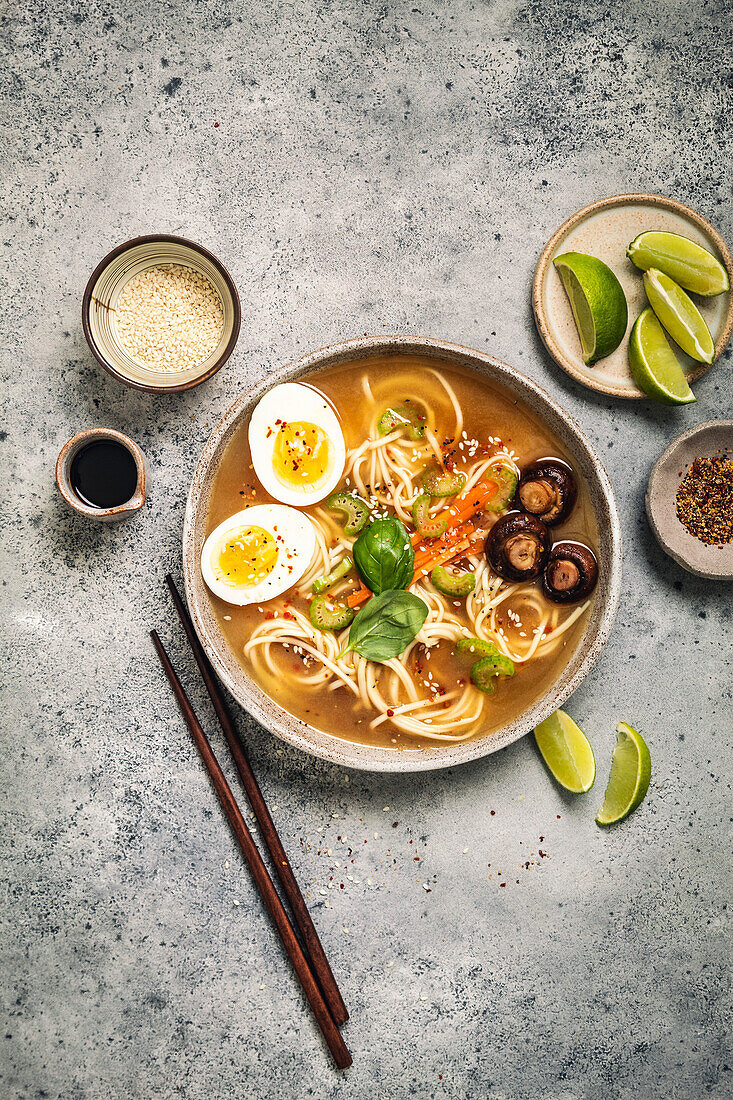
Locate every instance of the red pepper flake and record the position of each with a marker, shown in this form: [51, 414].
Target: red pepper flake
[395, 824]
[390, 714]
[493, 812]
[558, 817]
[216, 125]
[502, 884]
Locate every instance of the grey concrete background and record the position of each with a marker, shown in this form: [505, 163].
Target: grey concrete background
[360, 168]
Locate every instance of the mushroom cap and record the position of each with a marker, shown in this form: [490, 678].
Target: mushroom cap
[571, 572]
[547, 489]
[517, 546]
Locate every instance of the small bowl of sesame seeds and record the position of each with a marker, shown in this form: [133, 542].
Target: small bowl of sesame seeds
[161, 314]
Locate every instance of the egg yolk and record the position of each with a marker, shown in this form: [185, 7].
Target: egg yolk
[247, 557]
[300, 457]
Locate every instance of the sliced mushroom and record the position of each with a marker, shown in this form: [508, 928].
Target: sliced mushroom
[571, 573]
[517, 547]
[547, 489]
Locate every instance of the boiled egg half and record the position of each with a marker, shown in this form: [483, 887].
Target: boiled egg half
[258, 553]
[297, 445]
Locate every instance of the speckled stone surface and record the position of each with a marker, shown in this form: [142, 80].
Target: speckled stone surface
[360, 168]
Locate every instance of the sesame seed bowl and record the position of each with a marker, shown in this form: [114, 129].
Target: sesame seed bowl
[161, 314]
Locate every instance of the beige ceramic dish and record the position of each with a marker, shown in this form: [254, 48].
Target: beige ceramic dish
[605, 229]
[714, 437]
[63, 468]
[373, 758]
[100, 301]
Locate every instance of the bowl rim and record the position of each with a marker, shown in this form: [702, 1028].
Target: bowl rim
[655, 494]
[644, 199]
[295, 731]
[165, 238]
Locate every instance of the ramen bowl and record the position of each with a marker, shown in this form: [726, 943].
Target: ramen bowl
[375, 757]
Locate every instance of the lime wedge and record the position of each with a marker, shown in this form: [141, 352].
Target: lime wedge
[655, 367]
[597, 301]
[567, 752]
[631, 769]
[688, 263]
[679, 315]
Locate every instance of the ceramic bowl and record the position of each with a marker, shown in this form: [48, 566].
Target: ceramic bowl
[100, 301]
[375, 758]
[605, 229]
[63, 481]
[714, 437]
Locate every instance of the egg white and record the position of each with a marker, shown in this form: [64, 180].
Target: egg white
[296, 545]
[291, 401]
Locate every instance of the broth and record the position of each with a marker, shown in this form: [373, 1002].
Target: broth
[489, 411]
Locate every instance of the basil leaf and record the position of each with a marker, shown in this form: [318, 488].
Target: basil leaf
[387, 624]
[383, 555]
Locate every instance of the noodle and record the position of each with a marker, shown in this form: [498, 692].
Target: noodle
[385, 472]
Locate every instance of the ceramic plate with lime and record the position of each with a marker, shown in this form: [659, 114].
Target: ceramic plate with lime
[579, 313]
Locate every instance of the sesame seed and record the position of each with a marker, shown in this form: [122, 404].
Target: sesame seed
[169, 318]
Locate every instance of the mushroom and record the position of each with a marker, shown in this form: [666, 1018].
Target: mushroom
[517, 546]
[571, 572]
[547, 489]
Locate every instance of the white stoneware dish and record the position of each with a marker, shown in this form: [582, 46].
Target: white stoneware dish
[605, 229]
[375, 758]
[714, 437]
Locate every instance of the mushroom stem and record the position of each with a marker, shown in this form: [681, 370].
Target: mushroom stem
[571, 572]
[547, 490]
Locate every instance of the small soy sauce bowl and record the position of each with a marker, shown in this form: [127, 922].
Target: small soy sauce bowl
[69, 485]
[99, 308]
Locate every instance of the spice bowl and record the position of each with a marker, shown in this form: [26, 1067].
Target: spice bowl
[712, 439]
[154, 277]
[69, 488]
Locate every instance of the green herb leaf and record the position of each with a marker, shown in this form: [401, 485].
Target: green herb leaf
[387, 625]
[383, 555]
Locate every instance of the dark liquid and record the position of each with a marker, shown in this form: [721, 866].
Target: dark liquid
[104, 474]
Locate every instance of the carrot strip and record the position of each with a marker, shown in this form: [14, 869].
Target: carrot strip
[465, 506]
[439, 545]
[441, 559]
[361, 594]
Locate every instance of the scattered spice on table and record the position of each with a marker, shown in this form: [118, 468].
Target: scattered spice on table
[169, 317]
[705, 499]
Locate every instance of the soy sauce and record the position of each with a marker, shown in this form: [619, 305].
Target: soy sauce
[103, 474]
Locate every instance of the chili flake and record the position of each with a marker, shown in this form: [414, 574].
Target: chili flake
[705, 499]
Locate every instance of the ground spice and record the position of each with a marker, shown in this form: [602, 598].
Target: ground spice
[705, 499]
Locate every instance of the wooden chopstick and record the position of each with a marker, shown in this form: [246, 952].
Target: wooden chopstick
[313, 946]
[269, 894]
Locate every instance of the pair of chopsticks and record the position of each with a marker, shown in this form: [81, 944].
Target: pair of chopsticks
[309, 959]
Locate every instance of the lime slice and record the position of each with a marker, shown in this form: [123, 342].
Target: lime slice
[597, 301]
[689, 264]
[567, 752]
[631, 769]
[679, 315]
[655, 367]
